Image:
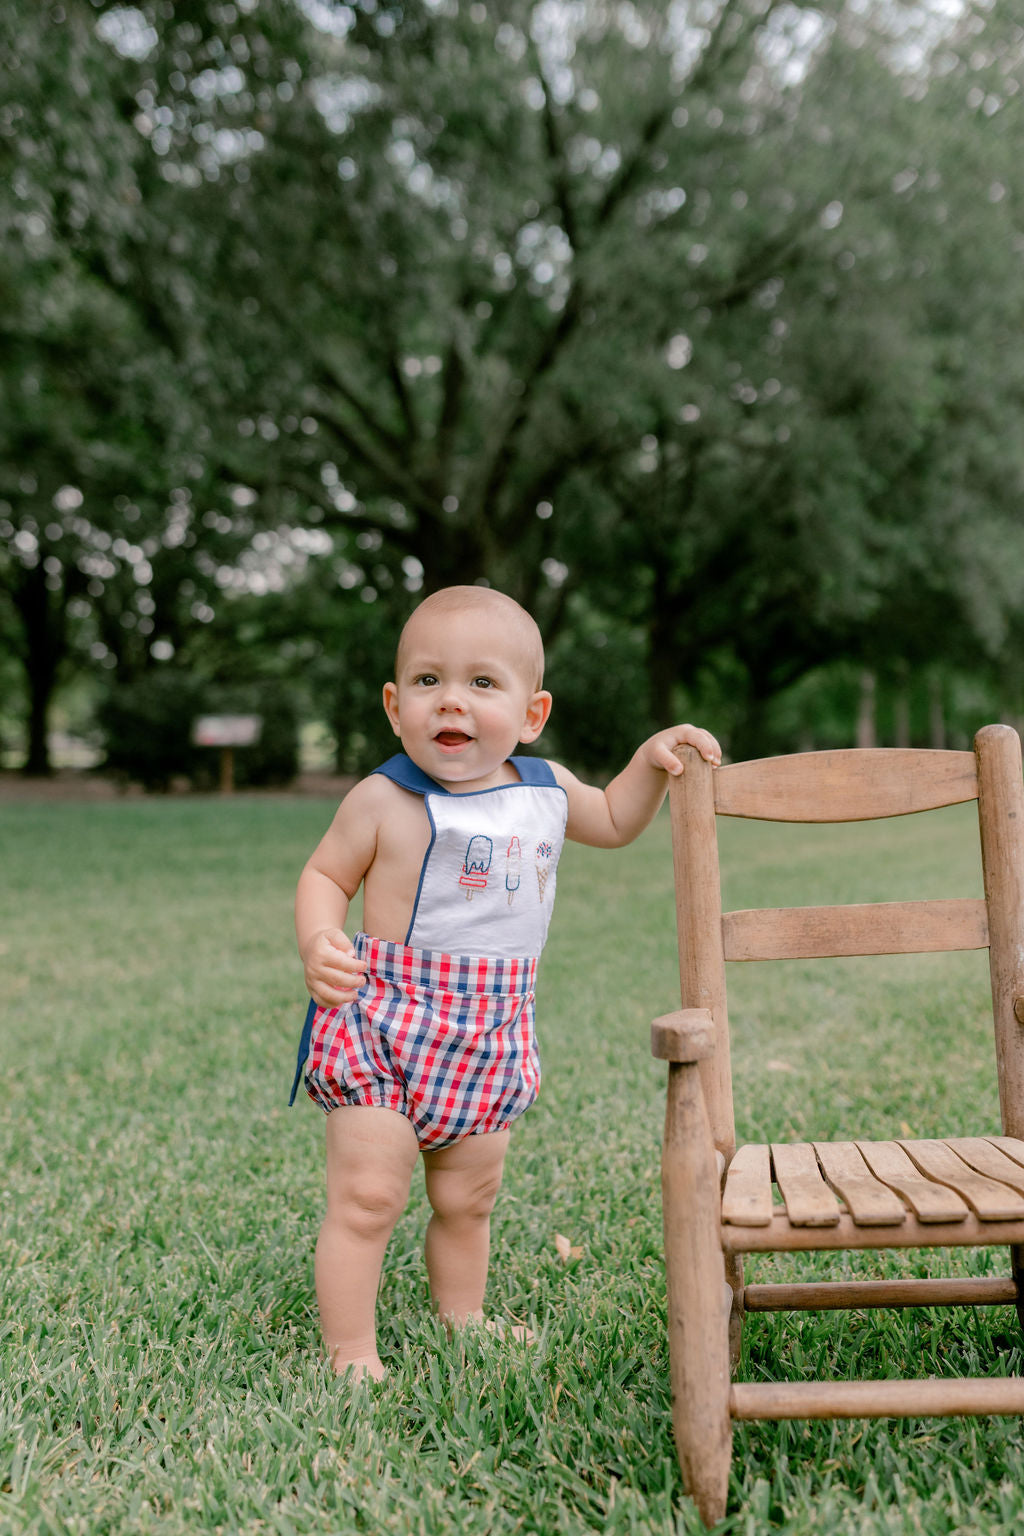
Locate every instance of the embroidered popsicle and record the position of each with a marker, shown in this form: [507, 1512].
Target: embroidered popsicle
[478, 862]
[543, 858]
[513, 867]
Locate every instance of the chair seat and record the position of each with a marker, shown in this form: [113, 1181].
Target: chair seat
[963, 1190]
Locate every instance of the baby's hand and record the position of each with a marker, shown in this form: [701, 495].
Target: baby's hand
[333, 972]
[660, 750]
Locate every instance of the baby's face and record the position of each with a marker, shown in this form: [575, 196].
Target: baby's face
[462, 699]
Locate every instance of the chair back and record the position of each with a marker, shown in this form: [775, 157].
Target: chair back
[860, 784]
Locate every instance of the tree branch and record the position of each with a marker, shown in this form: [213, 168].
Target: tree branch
[556, 155]
[402, 395]
[453, 375]
[331, 379]
[382, 464]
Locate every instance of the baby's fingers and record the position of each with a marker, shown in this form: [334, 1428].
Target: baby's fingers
[665, 758]
[709, 749]
[665, 752]
[707, 746]
[333, 997]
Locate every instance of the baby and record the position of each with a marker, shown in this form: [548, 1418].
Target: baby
[421, 1028]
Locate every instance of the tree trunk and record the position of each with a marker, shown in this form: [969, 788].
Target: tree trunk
[42, 617]
[666, 662]
[867, 730]
[750, 736]
[901, 717]
[936, 712]
[37, 763]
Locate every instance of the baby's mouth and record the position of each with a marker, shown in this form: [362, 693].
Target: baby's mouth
[452, 738]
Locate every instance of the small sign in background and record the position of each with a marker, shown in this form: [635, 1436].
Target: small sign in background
[227, 732]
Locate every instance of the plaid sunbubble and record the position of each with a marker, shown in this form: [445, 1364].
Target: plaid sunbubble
[447, 1040]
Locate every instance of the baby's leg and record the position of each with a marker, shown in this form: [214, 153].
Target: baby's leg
[462, 1185]
[370, 1157]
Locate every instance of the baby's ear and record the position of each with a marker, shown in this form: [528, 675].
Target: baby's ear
[390, 700]
[537, 712]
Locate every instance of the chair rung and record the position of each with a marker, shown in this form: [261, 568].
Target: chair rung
[834, 1296]
[876, 1399]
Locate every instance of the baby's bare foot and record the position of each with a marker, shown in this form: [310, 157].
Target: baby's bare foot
[503, 1330]
[496, 1326]
[363, 1368]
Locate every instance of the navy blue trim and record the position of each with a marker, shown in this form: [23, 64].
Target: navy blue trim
[304, 1044]
[423, 868]
[401, 770]
[535, 770]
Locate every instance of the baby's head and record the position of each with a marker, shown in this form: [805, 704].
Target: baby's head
[507, 626]
[467, 685]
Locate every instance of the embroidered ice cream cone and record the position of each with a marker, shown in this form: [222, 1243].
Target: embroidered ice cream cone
[543, 861]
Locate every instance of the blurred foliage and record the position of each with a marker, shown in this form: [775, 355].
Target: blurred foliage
[147, 731]
[693, 327]
[599, 714]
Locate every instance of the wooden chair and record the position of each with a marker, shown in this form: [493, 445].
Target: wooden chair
[718, 1201]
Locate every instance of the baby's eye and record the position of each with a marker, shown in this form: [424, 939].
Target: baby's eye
[483, 682]
[425, 680]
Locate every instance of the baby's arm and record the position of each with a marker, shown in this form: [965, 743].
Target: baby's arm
[326, 886]
[612, 817]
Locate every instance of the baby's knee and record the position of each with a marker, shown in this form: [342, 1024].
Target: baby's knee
[464, 1197]
[368, 1206]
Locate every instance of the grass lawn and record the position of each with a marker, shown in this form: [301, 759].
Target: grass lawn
[159, 1365]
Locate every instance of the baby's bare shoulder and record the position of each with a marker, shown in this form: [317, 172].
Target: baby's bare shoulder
[373, 800]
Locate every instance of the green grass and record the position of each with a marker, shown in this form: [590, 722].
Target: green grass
[159, 1364]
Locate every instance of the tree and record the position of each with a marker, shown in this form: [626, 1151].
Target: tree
[635, 311]
[119, 528]
[96, 424]
[590, 290]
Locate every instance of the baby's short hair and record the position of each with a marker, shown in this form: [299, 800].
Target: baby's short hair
[521, 625]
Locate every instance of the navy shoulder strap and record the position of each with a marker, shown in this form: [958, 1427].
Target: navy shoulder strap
[401, 770]
[534, 770]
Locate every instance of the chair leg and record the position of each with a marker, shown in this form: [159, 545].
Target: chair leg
[699, 1298]
[734, 1278]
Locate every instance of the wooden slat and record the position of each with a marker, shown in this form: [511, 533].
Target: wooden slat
[1010, 1145]
[747, 1198]
[992, 1201]
[783, 1237]
[987, 1159]
[809, 1201]
[934, 1397]
[871, 928]
[851, 1295]
[869, 1202]
[929, 1201]
[848, 785]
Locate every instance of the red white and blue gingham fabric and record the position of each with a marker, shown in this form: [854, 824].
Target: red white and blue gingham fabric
[447, 1040]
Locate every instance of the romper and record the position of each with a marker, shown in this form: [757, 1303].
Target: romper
[442, 1029]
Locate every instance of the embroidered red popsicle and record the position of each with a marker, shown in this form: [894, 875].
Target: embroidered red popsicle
[477, 864]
